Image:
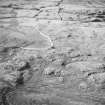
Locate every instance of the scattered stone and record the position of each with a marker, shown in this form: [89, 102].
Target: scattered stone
[52, 52]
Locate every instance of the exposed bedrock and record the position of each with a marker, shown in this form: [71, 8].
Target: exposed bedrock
[52, 52]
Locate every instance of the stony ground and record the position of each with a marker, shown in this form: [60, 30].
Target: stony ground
[52, 52]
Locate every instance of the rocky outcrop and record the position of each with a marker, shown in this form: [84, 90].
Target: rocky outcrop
[52, 52]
